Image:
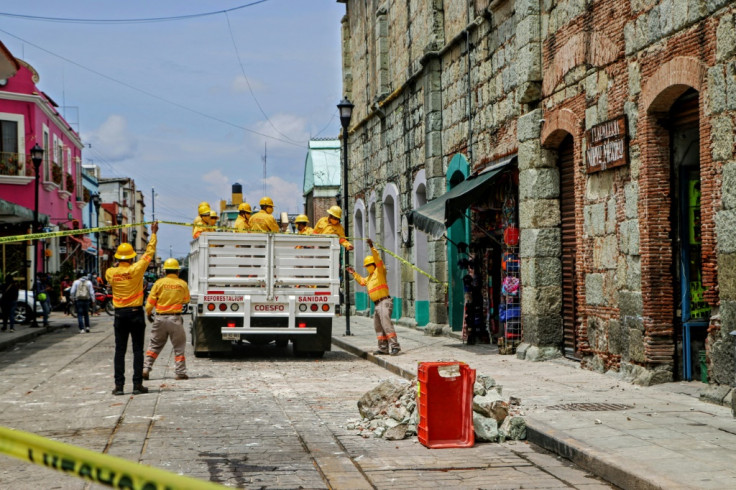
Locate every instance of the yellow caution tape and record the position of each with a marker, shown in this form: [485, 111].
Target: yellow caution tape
[405, 262]
[91, 466]
[52, 234]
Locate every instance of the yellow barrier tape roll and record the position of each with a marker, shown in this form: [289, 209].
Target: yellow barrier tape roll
[94, 467]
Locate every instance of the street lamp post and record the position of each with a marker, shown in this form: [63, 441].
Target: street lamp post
[96, 201]
[36, 158]
[346, 112]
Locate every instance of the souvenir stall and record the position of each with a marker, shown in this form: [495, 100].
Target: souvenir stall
[492, 280]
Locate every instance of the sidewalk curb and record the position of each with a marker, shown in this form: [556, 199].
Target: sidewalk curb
[9, 343]
[546, 437]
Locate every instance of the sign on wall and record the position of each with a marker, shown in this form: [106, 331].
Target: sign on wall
[607, 146]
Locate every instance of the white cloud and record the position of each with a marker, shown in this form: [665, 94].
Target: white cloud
[240, 85]
[283, 128]
[113, 139]
[216, 179]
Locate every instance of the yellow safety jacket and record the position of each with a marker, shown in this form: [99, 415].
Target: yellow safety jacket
[127, 280]
[167, 295]
[262, 221]
[241, 223]
[376, 281]
[198, 226]
[324, 227]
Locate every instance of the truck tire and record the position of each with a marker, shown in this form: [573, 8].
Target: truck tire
[314, 347]
[206, 337]
[282, 342]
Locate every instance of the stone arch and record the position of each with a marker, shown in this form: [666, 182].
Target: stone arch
[421, 259]
[457, 171]
[670, 81]
[558, 124]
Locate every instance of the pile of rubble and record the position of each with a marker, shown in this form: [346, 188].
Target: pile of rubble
[390, 411]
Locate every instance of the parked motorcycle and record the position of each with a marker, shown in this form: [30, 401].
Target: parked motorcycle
[103, 301]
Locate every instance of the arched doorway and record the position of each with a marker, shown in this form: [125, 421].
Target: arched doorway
[391, 243]
[566, 165]
[458, 233]
[692, 311]
[361, 297]
[421, 289]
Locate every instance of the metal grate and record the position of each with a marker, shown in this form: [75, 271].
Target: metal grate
[590, 407]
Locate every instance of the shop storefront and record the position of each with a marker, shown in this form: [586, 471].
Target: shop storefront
[478, 217]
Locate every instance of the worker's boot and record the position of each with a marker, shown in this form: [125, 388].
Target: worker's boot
[146, 371]
[139, 389]
[118, 390]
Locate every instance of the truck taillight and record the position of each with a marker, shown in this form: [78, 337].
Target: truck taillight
[231, 324]
[325, 307]
[302, 325]
[211, 307]
[302, 307]
[313, 307]
[223, 307]
[234, 307]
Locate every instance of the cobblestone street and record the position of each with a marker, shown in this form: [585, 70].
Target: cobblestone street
[257, 419]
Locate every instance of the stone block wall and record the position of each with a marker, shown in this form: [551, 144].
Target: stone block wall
[489, 79]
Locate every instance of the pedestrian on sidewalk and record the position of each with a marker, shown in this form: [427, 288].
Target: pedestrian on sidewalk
[127, 295]
[168, 295]
[66, 287]
[379, 294]
[43, 295]
[9, 302]
[83, 295]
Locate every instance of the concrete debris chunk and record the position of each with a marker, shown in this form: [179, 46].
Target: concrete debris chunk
[486, 429]
[391, 411]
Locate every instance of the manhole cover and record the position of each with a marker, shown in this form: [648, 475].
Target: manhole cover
[590, 407]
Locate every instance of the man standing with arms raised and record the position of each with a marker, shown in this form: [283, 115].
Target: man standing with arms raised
[127, 295]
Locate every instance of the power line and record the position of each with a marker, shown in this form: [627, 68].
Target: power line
[150, 94]
[247, 82]
[72, 20]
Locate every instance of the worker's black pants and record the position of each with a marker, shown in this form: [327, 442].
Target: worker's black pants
[129, 322]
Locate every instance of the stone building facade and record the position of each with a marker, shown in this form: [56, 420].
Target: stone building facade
[625, 256]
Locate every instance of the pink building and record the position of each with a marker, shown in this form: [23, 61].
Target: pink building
[28, 117]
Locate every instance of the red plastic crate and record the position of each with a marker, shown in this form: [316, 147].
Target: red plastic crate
[445, 399]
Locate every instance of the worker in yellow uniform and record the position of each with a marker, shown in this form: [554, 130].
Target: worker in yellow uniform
[167, 296]
[242, 223]
[330, 225]
[302, 225]
[126, 281]
[379, 294]
[213, 221]
[263, 220]
[202, 220]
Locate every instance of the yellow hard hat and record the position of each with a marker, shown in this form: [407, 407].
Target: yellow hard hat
[266, 201]
[335, 211]
[125, 252]
[369, 260]
[302, 218]
[244, 206]
[171, 265]
[203, 209]
[213, 214]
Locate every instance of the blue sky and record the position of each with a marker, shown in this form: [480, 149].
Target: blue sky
[167, 104]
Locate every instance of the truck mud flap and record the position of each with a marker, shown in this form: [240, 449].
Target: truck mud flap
[206, 337]
[316, 345]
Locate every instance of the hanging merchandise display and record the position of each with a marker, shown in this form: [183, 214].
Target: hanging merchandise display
[493, 260]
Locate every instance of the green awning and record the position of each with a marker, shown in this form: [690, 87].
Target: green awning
[439, 214]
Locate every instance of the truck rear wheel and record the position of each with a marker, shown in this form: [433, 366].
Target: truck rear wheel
[314, 347]
[206, 337]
